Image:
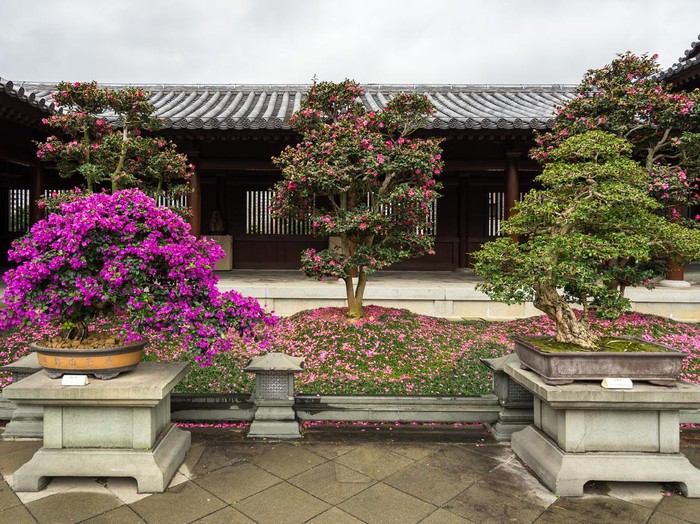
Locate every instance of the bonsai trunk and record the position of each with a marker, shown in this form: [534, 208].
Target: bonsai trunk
[569, 328]
[355, 295]
[76, 331]
[86, 142]
[122, 157]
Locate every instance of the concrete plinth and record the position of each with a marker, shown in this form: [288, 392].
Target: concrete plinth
[274, 419]
[152, 468]
[584, 432]
[566, 473]
[26, 421]
[516, 402]
[509, 422]
[115, 428]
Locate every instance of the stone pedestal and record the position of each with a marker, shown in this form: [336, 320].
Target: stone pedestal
[585, 432]
[26, 421]
[226, 243]
[109, 428]
[516, 401]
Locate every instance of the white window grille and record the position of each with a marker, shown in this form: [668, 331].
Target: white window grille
[496, 212]
[259, 221]
[18, 206]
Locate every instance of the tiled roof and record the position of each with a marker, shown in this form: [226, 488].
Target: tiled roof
[690, 59]
[271, 106]
[41, 100]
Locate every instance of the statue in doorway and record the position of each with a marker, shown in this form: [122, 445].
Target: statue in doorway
[216, 223]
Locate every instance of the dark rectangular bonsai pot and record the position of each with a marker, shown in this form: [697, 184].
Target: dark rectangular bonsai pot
[658, 367]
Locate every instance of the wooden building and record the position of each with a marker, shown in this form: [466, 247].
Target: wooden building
[230, 132]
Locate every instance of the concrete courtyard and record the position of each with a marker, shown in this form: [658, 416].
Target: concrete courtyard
[346, 474]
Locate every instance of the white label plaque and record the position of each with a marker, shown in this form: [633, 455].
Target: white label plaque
[75, 380]
[617, 383]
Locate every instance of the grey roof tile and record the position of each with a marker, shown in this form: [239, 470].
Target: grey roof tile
[690, 58]
[271, 106]
[39, 98]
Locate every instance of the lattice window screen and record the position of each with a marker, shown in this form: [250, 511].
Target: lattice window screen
[172, 201]
[428, 230]
[258, 220]
[496, 212]
[18, 206]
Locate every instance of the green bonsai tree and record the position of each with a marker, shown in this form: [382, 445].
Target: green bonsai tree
[359, 175]
[103, 135]
[593, 215]
[627, 98]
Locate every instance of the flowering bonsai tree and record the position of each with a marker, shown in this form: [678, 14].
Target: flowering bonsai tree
[102, 139]
[358, 175]
[121, 253]
[627, 99]
[577, 235]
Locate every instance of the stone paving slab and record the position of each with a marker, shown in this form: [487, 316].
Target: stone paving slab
[386, 505]
[332, 482]
[349, 476]
[71, 506]
[294, 505]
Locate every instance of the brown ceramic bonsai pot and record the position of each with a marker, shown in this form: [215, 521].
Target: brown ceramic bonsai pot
[658, 367]
[103, 363]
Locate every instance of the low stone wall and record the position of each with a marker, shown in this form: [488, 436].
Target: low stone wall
[397, 409]
[347, 408]
[364, 408]
[451, 300]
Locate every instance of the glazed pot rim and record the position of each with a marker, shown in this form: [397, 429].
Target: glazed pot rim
[127, 348]
[642, 354]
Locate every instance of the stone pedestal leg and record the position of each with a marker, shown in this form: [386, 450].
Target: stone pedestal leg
[567, 473]
[152, 469]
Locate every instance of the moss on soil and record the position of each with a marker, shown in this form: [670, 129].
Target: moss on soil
[605, 344]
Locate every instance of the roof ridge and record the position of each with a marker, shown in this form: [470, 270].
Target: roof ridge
[482, 86]
[200, 106]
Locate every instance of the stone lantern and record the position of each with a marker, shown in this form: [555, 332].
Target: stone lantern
[516, 401]
[274, 396]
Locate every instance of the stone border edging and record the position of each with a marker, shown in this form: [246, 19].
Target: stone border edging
[370, 408]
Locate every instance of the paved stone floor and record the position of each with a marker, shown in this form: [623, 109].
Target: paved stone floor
[346, 475]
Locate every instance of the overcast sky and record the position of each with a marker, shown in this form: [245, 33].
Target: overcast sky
[375, 41]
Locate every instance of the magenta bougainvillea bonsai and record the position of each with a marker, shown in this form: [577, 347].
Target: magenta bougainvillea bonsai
[105, 254]
[357, 175]
[105, 136]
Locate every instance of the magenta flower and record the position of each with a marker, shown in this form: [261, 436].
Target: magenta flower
[122, 253]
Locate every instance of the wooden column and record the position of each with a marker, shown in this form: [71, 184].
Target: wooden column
[675, 269]
[463, 221]
[512, 192]
[36, 191]
[195, 204]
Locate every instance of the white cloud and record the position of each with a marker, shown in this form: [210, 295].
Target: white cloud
[378, 41]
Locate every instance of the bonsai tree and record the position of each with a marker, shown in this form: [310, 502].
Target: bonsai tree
[626, 98]
[357, 175]
[105, 254]
[102, 139]
[594, 208]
